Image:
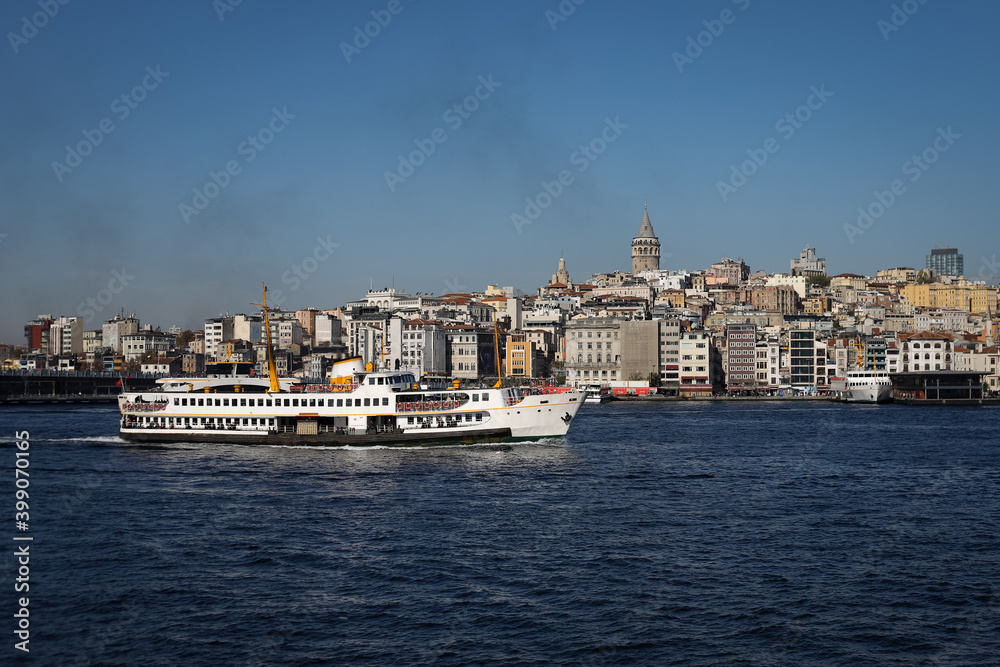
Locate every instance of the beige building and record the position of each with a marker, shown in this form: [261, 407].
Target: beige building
[975, 298]
[593, 350]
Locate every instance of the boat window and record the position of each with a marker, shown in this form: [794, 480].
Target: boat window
[486, 396]
[295, 402]
[177, 401]
[269, 402]
[475, 398]
[479, 416]
[371, 380]
[381, 380]
[243, 402]
[225, 402]
[385, 400]
[348, 402]
[286, 403]
[312, 402]
[319, 402]
[368, 402]
[468, 416]
[340, 402]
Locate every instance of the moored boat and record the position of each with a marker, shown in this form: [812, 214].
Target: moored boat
[862, 386]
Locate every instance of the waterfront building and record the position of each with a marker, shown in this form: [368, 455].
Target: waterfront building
[670, 341]
[768, 355]
[699, 374]
[808, 264]
[66, 335]
[807, 360]
[741, 343]
[946, 261]
[593, 350]
[645, 247]
[926, 351]
[36, 333]
[640, 350]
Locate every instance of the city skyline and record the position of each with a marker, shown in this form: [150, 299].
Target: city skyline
[227, 144]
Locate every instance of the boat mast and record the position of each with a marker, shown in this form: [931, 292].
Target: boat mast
[271, 368]
[496, 341]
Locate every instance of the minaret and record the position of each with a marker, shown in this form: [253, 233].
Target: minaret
[645, 246]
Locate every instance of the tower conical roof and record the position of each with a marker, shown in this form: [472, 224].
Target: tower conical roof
[646, 228]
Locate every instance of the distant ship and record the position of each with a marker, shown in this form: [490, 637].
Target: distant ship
[597, 393]
[359, 406]
[862, 386]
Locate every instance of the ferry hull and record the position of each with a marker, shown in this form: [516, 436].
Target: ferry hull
[463, 437]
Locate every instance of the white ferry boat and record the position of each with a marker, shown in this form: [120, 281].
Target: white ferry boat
[597, 393]
[358, 407]
[862, 386]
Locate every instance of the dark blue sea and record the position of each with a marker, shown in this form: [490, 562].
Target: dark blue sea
[772, 533]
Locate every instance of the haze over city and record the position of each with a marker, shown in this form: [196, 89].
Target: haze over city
[185, 152]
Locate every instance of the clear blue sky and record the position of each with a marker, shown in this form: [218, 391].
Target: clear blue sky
[448, 225]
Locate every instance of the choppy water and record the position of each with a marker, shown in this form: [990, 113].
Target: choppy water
[697, 534]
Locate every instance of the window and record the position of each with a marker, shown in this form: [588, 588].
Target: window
[385, 400]
[368, 402]
[340, 402]
[295, 402]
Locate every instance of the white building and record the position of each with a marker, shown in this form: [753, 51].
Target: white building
[217, 330]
